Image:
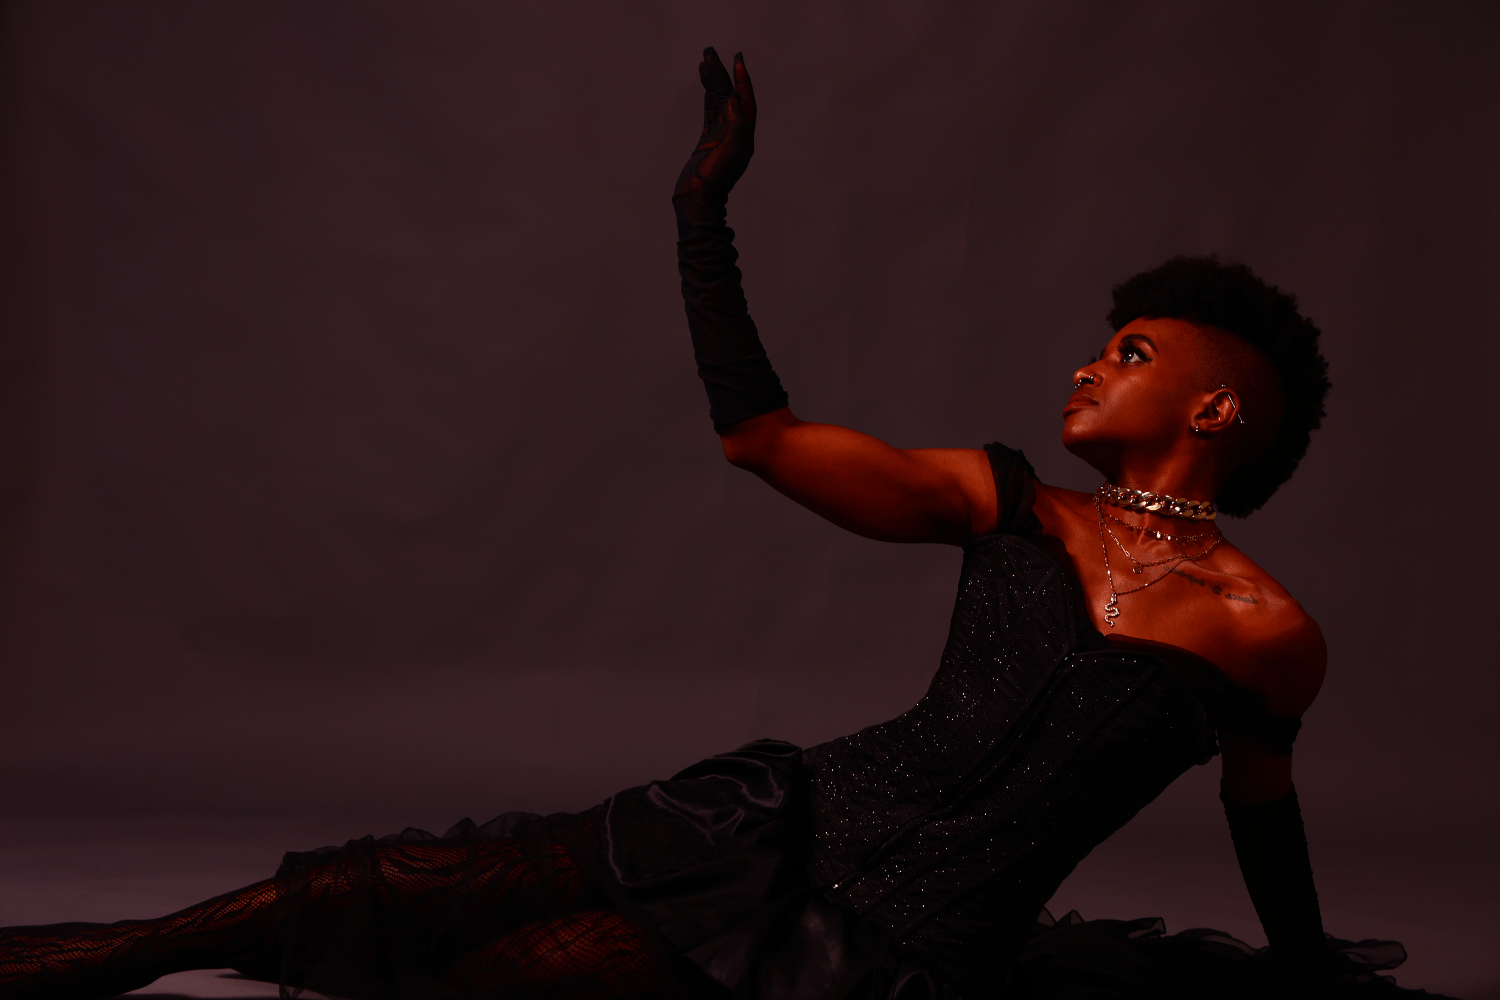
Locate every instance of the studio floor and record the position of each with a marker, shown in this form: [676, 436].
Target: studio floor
[1441, 903]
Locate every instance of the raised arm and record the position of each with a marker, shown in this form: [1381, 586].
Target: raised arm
[863, 484]
[854, 480]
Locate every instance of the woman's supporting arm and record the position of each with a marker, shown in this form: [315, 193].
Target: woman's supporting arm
[1265, 818]
[854, 480]
[1271, 845]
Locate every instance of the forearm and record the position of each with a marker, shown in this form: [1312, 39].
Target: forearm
[733, 365]
[1271, 845]
[1251, 776]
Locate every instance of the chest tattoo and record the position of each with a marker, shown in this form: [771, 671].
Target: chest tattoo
[1246, 598]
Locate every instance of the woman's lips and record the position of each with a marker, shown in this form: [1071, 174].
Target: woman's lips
[1078, 401]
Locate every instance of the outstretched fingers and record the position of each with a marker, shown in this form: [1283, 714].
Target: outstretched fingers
[743, 88]
[728, 138]
[716, 82]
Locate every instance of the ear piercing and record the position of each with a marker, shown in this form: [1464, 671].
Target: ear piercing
[1234, 406]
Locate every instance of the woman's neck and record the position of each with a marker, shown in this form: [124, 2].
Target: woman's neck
[1187, 477]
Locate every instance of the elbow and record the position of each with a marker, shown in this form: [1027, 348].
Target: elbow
[750, 443]
[739, 451]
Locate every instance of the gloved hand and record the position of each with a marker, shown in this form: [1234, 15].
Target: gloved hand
[728, 140]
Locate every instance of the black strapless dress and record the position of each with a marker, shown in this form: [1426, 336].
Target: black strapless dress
[910, 860]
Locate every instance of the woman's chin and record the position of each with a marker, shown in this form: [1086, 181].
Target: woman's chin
[1077, 431]
[1092, 448]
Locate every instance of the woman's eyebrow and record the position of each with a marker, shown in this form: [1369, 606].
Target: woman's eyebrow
[1139, 338]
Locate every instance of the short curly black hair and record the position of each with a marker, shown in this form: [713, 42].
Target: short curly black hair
[1229, 296]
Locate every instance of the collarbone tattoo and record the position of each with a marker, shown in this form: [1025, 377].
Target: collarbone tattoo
[1214, 587]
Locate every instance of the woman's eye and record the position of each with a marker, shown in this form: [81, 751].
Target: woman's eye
[1127, 353]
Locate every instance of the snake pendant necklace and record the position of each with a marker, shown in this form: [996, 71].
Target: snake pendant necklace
[1112, 606]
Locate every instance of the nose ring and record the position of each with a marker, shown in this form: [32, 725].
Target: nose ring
[1085, 380]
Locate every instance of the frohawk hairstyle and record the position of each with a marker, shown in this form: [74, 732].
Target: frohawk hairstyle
[1228, 295]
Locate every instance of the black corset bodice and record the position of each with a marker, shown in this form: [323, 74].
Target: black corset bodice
[954, 823]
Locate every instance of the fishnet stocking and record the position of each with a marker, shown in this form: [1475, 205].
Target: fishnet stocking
[501, 910]
[601, 947]
[87, 960]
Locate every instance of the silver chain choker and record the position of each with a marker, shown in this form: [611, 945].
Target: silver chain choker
[1157, 503]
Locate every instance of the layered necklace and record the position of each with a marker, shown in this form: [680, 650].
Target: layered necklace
[1156, 503]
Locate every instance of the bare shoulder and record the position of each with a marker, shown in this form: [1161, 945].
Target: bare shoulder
[1225, 608]
[1063, 504]
[1279, 648]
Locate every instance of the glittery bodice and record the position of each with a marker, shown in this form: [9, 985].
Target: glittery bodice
[953, 824]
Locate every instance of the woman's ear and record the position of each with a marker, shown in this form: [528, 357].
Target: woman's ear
[1219, 411]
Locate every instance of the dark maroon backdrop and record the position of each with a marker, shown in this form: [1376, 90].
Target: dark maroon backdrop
[354, 457]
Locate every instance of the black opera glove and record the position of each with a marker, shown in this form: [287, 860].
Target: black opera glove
[731, 362]
[1271, 845]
